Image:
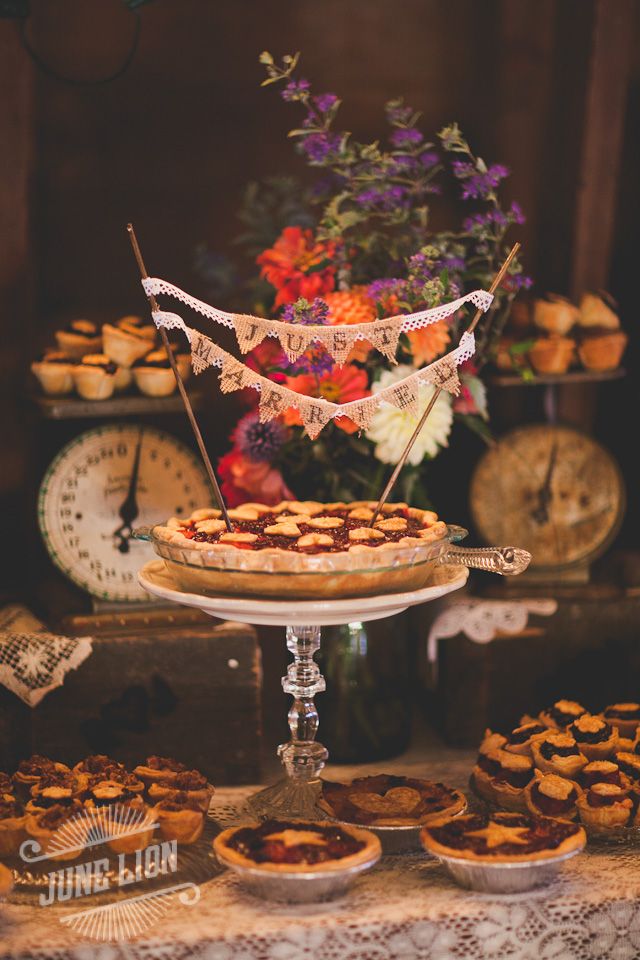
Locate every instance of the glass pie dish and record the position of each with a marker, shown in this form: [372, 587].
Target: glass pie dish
[276, 573]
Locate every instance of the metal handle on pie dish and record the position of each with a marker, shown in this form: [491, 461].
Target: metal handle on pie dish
[507, 561]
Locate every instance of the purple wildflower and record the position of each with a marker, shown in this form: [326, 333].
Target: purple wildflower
[479, 185]
[429, 159]
[314, 360]
[397, 112]
[387, 286]
[406, 137]
[259, 441]
[324, 101]
[517, 214]
[462, 169]
[388, 199]
[318, 146]
[306, 313]
[295, 90]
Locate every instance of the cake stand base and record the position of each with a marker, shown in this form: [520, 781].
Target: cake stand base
[288, 799]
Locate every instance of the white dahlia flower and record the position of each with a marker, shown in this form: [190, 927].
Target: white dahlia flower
[391, 428]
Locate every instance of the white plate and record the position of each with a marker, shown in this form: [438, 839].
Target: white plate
[155, 579]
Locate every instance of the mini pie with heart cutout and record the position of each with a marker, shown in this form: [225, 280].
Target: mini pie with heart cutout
[390, 801]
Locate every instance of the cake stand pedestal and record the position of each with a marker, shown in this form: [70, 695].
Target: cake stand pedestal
[303, 757]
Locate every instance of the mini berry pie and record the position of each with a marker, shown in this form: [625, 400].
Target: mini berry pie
[558, 753]
[595, 737]
[389, 801]
[303, 549]
[179, 818]
[44, 826]
[629, 764]
[153, 374]
[624, 716]
[54, 372]
[95, 377]
[507, 784]
[189, 782]
[605, 806]
[549, 795]
[79, 338]
[604, 771]
[521, 739]
[503, 837]
[296, 846]
[561, 714]
[12, 823]
[491, 741]
[156, 769]
[126, 345]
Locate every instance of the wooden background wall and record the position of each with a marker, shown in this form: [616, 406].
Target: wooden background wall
[550, 87]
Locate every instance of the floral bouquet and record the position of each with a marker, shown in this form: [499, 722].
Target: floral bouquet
[355, 246]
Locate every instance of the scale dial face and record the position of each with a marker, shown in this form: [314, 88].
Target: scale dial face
[549, 489]
[85, 489]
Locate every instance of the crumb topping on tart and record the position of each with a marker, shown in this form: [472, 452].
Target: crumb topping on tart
[590, 729]
[164, 763]
[556, 787]
[9, 809]
[558, 745]
[623, 711]
[629, 763]
[99, 361]
[53, 817]
[505, 835]
[606, 794]
[309, 527]
[291, 842]
[563, 712]
[155, 359]
[82, 328]
[524, 732]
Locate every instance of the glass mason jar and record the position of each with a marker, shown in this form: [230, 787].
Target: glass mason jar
[365, 713]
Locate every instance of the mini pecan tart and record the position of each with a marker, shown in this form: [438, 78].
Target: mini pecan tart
[304, 549]
[503, 837]
[57, 789]
[125, 345]
[98, 763]
[624, 716]
[561, 714]
[629, 764]
[296, 846]
[129, 781]
[389, 801]
[507, 784]
[190, 782]
[54, 372]
[558, 753]
[106, 793]
[595, 737]
[521, 739]
[604, 771]
[179, 818]
[31, 771]
[79, 338]
[12, 821]
[47, 827]
[95, 377]
[153, 374]
[605, 806]
[129, 823]
[155, 769]
[7, 788]
[549, 795]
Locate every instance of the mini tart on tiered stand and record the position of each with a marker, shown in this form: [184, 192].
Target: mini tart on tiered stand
[189, 782]
[601, 342]
[558, 753]
[12, 823]
[129, 781]
[501, 777]
[561, 714]
[31, 771]
[106, 793]
[605, 806]
[130, 823]
[552, 354]
[303, 549]
[98, 763]
[54, 372]
[549, 795]
[390, 801]
[624, 716]
[629, 764]
[136, 325]
[555, 314]
[596, 738]
[183, 360]
[79, 338]
[44, 825]
[156, 769]
[153, 374]
[57, 789]
[179, 818]
[604, 771]
[95, 377]
[521, 739]
[126, 345]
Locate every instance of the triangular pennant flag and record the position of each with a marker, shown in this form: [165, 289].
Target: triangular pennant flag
[404, 395]
[295, 340]
[315, 415]
[234, 375]
[362, 411]
[250, 331]
[444, 374]
[338, 341]
[385, 338]
[202, 352]
[272, 402]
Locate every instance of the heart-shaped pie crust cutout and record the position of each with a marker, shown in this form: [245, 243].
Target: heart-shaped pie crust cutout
[396, 800]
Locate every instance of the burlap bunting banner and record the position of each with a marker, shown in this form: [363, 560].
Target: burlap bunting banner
[295, 338]
[316, 412]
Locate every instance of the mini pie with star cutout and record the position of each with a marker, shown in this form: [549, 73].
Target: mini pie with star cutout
[503, 838]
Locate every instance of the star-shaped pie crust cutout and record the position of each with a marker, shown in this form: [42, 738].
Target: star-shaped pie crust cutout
[496, 834]
[293, 838]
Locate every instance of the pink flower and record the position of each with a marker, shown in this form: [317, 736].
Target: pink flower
[245, 480]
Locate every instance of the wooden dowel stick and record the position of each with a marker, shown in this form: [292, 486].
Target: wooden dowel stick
[183, 393]
[436, 393]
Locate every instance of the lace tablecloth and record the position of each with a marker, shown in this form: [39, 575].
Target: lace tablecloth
[407, 907]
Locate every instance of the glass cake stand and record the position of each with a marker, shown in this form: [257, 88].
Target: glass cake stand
[303, 757]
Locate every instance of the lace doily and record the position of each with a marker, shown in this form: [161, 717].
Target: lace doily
[32, 661]
[407, 907]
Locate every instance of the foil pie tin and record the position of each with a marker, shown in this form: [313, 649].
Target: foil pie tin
[298, 887]
[517, 877]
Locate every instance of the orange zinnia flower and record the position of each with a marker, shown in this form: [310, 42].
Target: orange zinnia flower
[429, 342]
[352, 306]
[340, 385]
[298, 266]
